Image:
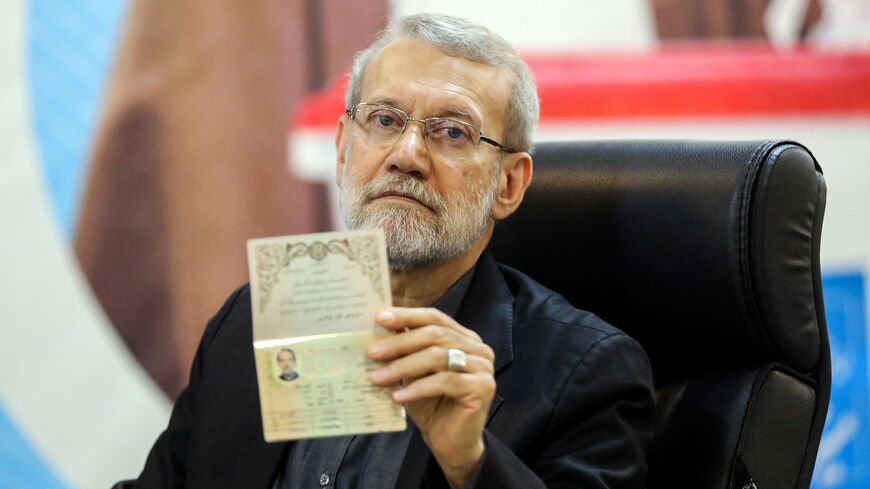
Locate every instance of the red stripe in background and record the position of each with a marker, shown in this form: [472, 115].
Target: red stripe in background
[690, 81]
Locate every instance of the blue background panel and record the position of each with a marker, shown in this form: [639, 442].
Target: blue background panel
[20, 466]
[844, 455]
[70, 45]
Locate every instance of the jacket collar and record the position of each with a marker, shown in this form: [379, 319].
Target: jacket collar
[488, 310]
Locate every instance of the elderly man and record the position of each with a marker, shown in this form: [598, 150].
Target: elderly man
[433, 148]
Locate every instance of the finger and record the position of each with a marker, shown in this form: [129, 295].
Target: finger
[472, 390]
[408, 342]
[399, 318]
[414, 340]
[425, 362]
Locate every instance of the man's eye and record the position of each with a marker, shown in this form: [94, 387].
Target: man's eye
[455, 133]
[451, 131]
[383, 119]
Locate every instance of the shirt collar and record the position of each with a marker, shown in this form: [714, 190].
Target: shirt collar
[450, 302]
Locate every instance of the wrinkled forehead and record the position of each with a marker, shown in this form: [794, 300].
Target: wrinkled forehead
[423, 80]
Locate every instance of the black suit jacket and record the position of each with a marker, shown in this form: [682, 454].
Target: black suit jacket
[573, 406]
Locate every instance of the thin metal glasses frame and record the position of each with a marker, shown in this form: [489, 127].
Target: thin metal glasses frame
[351, 112]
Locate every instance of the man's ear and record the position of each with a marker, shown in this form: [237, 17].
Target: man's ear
[515, 177]
[342, 139]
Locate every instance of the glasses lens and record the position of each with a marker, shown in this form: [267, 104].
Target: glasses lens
[380, 125]
[452, 138]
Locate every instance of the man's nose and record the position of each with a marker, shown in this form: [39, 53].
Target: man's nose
[409, 153]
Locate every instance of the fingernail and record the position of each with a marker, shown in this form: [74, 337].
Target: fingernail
[386, 316]
[400, 395]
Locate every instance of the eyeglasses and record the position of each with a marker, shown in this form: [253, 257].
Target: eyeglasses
[383, 125]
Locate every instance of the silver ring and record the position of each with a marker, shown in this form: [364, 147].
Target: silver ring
[456, 360]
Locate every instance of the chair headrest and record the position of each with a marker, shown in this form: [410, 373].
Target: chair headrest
[706, 252]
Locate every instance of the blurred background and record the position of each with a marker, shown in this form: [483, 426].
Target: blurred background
[143, 142]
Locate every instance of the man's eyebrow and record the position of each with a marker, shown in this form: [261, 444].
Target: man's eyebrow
[385, 101]
[450, 112]
[458, 113]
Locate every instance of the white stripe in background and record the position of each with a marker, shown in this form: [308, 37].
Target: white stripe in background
[66, 379]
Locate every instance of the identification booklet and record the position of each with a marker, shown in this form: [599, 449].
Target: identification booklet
[314, 299]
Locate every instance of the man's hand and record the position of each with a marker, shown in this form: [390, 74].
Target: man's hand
[449, 408]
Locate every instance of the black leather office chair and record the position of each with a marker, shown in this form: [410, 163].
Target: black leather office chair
[708, 254]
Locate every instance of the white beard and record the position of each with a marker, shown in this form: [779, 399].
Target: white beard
[418, 237]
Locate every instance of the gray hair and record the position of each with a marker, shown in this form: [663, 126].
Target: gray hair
[461, 38]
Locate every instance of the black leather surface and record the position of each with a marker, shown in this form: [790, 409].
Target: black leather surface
[695, 446]
[708, 253]
[669, 227]
[761, 415]
[789, 198]
[775, 439]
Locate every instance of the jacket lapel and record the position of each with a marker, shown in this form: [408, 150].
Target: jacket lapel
[488, 310]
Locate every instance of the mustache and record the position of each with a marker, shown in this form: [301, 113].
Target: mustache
[407, 186]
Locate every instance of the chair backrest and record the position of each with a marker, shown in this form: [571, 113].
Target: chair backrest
[708, 254]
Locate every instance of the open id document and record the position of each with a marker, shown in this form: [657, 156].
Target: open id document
[314, 298]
